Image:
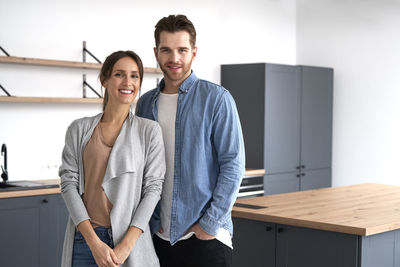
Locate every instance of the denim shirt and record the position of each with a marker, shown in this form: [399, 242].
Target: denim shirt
[209, 156]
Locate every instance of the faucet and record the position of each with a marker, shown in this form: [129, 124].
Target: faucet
[4, 175]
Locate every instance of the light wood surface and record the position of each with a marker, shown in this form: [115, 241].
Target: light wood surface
[49, 62]
[29, 193]
[62, 63]
[363, 209]
[20, 99]
[251, 172]
[34, 192]
[25, 193]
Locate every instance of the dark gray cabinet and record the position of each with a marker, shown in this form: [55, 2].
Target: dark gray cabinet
[316, 117]
[296, 247]
[286, 116]
[32, 230]
[253, 243]
[268, 244]
[295, 181]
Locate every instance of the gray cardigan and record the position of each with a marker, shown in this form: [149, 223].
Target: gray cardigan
[132, 182]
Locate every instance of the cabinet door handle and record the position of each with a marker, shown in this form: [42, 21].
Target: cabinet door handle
[297, 175]
[268, 228]
[280, 230]
[302, 166]
[298, 167]
[45, 201]
[303, 174]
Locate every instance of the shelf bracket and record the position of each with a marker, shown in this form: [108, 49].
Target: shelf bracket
[84, 84]
[4, 51]
[84, 51]
[4, 90]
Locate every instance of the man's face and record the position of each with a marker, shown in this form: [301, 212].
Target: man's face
[175, 55]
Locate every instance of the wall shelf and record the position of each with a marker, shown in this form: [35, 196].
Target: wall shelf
[57, 63]
[18, 99]
[62, 63]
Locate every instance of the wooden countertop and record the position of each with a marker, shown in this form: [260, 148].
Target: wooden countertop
[363, 209]
[33, 192]
[36, 192]
[251, 172]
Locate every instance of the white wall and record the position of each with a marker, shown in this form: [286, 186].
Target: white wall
[360, 39]
[228, 32]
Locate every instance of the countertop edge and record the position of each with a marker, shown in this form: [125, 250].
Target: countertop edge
[33, 192]
[302, 223]
[36, 192]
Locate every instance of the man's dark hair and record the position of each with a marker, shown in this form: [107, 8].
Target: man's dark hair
[175, 23]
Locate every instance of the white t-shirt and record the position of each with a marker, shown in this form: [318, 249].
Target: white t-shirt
[167, 106]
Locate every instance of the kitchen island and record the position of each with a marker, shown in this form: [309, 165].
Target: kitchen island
[355, 225]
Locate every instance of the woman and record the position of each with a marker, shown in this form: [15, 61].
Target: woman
[112, 172]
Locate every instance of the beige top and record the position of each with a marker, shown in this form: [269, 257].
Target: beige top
[95, 159]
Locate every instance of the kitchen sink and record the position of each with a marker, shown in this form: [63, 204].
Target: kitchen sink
[24, 185]
[6, 185]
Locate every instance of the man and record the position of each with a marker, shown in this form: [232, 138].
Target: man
[204, 154]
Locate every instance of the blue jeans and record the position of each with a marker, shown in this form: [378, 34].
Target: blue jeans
[82, 256]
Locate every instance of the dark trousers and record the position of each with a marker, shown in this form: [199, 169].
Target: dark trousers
[193, 253]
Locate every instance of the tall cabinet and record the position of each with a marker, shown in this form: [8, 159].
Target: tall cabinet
[286, 116]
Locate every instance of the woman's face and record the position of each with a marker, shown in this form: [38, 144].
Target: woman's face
[124, 83]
